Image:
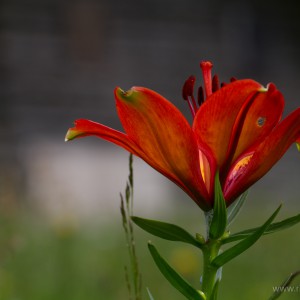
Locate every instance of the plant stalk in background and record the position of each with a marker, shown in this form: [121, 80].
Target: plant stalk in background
[126, 208]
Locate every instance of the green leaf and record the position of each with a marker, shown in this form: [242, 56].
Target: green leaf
[149, 294]
[166, 231]
[174, 278]
[219, 219]
[278, 226]
[235, 208]
[214, 295]
[242, 246]
[284, 286]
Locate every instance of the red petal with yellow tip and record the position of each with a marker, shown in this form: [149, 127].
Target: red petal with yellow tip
[216, 117]
[159, 128]
[86, 127]
[260, 159]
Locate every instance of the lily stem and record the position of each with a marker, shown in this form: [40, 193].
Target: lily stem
[209, 277]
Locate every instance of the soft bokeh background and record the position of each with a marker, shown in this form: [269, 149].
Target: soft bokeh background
[60, 233]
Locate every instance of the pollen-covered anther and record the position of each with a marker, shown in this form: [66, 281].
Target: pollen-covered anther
[200, 95]
[188, 94]
[215, 83]
[188, 87]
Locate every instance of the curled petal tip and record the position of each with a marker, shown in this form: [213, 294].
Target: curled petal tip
[125, 95]
[72, 134]
[271, 87]
[263, 89]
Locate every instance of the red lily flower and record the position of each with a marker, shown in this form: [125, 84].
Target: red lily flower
[236, 131]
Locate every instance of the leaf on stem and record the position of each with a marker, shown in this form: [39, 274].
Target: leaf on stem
[174, 278]
[166, 231]
[275, 227]
[219, 220]
[235, 208]
[214, 295]
[242, 246]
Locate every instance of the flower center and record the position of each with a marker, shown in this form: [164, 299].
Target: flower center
[210, 86]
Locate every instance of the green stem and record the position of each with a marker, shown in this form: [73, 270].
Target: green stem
[210, 251]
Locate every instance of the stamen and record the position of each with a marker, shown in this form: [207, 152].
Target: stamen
[188, 87]
[233, 79]
[200, 95]
[206, 67]
[215, 83]
[188, 94]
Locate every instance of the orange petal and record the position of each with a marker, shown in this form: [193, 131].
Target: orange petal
[216, 117]
[255, 120]
[86, 127]
[158, 127]
[253, 165]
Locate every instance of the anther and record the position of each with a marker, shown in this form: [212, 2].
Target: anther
[206, 67]
[188, 87]
[200, 97]
[233, 79]
[215, 83]
[188, 94]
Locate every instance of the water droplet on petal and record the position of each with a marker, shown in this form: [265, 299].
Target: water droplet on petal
[261, 121]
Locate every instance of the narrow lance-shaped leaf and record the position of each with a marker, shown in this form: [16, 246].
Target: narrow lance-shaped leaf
[235, 208]
[214, 295]
[275, 227]
[242, 246]
[166, 231]
[174, 278]
[219, 220]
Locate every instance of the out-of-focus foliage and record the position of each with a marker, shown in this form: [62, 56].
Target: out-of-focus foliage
[73, 260]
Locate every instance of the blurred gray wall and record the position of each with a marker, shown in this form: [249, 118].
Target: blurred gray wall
[61, 60]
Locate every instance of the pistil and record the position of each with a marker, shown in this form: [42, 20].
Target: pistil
[206, 67]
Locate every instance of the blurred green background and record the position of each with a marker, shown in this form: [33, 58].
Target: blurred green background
[77, 260]
[60, 233]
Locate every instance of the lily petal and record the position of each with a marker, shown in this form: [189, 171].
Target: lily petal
[158, 127]
[255, 120]
[216, 117]
[253, 165]
[86, 127]
[89, 128]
